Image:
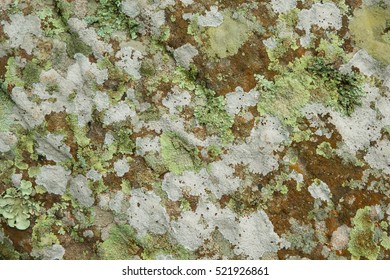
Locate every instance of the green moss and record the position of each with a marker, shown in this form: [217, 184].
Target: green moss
[12, 74]
[368, 27]
[110, 18]
[123, 141]
[7, 250]
[362, 241]
[75, 45]
[177, 154]
[31, 73]
[42, 235]
[347, 86]
[6, 106]
[210, 111]
[120, 245]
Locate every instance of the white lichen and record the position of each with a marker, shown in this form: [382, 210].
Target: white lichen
[184, 55]
[23, 31]
[121, 167]
[325, 16]
[146, 214]
[80, 190]
[54, 178]
[130, 61]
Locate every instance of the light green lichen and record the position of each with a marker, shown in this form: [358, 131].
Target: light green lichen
[362, 241]
[178, 155]
[16, 206]
[12, 74]
[110, 18]
[226, 39]
[325, 149]
[285, 96]
[42, 234]
[121, 244]
[210, 111]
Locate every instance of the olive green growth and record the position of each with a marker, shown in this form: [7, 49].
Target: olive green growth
[177, 154]
[31, 73]
[370, 30]
[6, 106]
[210, 111]
[16, 206]
[362, 241]
[325, 149]
[75, 45]
[348, 86]
[120, 245]
[109, 18]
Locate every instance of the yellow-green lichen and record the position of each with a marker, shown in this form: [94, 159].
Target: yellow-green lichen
[178, 155]
[368, 26]
[226, 39]
[362, 241]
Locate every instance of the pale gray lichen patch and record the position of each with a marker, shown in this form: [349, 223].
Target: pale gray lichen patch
[146, 214]
[256, 236]
[54, 252]
[147, 145]
[340, 237]
[23, 31]
[184, 55]
[118, 113]
[7, 141]
[53, 148]
[130, 61]
[283, 6]
[121, 167]
[212, 18]
[89, 36]
[320, 190]
[54, 178]
[80, 190]
[325, 16]
[258, 150]
[176, 100]
[238, 100]
[378, 156]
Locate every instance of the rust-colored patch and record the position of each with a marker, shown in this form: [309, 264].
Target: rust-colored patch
[21, 239]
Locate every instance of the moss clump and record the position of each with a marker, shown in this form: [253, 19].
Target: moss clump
[347, 86]
[42, 235]
[12, 74]
[31, 73]
[210, 111]
[362, 241]
[110, 18]
[369, 27]
[6, 106]
[7, 251]
[121, 244]
[75, 45]
[177, 154]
